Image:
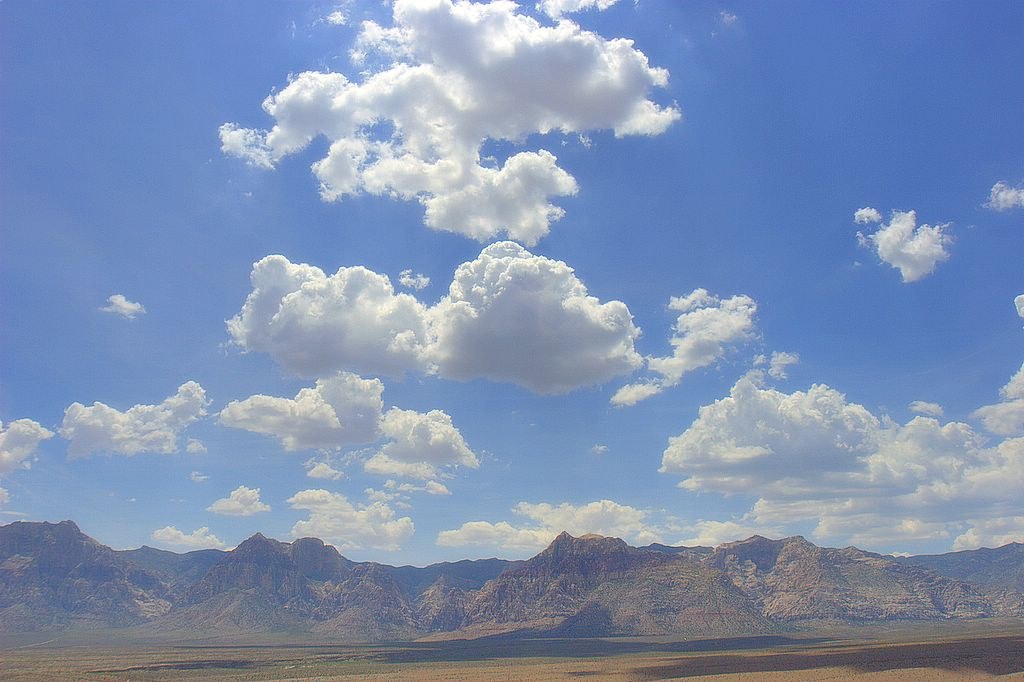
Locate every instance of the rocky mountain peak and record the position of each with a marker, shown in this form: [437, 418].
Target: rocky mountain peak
[762, 552]
[591, 543]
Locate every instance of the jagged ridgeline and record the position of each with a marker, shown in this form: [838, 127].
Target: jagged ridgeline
[53, 577]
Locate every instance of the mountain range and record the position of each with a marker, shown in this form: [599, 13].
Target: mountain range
[53, 577]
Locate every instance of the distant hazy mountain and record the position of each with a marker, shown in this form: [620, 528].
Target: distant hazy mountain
[52, 577]
[793, 580]
[1000, 568]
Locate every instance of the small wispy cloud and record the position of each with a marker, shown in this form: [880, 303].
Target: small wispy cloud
[412, 280]
[119, 305]
[1004, 197]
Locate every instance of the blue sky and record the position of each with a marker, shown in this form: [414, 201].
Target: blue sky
[605, 246]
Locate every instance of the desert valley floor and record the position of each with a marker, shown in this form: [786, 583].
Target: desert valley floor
[978, 651]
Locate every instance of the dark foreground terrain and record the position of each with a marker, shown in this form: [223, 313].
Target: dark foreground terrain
[934, 654]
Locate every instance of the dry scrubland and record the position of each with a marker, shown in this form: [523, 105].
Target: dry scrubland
[946, 654]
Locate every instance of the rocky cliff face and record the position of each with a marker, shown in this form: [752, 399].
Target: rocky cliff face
[53, 576]
[793, 580]
[1001, 568]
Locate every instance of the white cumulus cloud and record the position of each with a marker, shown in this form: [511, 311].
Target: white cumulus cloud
[119, 305]
[338, 17]
[200, 538]
[865, 216]
[556, 8]
[411, 280]
[509, 316]
[340, 410]
[927, 409]
[914, 250]
[349, 526]
[779, 363]
[545, 521]
[814, 456]
[18, 442]
[142, 428]
[420, 445]
[1018, 303]
[1004, 197]
[706, 326]
[458, 74]
[242, 501]
[323, 470]
[714, 533]
[1006, 418]
[991, 533]
[314, 324]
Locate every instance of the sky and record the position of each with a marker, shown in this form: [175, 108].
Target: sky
[433, 280]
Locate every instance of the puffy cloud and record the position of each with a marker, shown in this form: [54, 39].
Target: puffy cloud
[347, 526]
[631, 394]
[337, 18]
[195, 447]
[340, 410]
[313, 324]
[459, 74]
[733, 444]
[324, 470]
[525, 319]
[200, 538]
[420, 445]
[714, 533]
[1018, 303]
[813, 455]
[416, 281]
[18, 442]
[927, 409]
[430, 487]
[1003, 197]
[346, 409]
[864, 216]
[1006, 418]
[119, 305]
[509, 316]
[603, 517]
[991, 533]
[242, 501]
[914, 251]
[501, 534]
[142, 428]
[556, 8]
[382, 465]
[706, 326]
[778, 363]
[599, 449]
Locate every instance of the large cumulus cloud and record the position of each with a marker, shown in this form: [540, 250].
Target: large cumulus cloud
[458, 74]
[141, 428]
[814, 456]
[509, 316]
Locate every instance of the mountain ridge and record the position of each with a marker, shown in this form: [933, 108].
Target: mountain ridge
[54, 577]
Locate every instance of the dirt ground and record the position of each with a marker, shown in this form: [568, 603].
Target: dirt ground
[769, 659]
